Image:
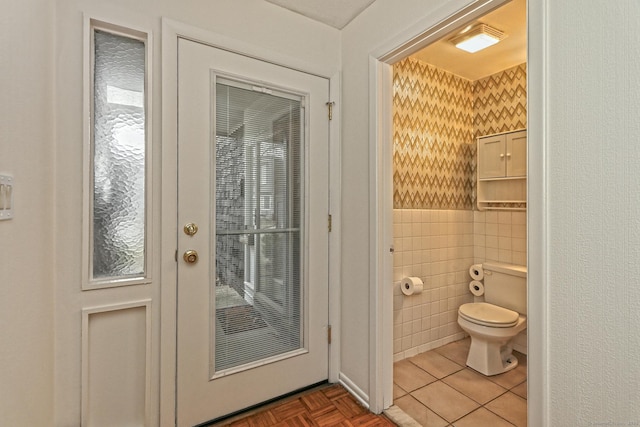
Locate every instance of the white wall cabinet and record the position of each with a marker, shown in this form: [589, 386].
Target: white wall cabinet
[502, 171]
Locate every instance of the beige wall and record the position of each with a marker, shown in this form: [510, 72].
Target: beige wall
[26, 267]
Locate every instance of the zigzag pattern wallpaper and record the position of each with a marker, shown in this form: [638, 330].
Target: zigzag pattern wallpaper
[500, 102]
[437, 116]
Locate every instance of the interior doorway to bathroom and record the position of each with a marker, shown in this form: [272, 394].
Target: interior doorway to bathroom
[440, 104]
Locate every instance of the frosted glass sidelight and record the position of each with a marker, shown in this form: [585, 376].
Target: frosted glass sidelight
[257, 289]
[118, 157]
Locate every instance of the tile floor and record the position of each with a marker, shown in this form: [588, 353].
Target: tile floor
[436, 389]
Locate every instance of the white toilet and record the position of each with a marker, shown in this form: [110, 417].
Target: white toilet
[492, 324]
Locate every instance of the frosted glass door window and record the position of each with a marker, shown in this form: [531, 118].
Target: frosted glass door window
[119, 158]
[258, 193]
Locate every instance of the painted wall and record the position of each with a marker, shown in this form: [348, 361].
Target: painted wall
[593, 205]
[26, 267]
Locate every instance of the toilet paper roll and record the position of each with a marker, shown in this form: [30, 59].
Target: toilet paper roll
[411, 285]
[476, 272]
[476, 288]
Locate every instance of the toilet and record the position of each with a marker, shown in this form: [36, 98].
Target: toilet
[492, 324]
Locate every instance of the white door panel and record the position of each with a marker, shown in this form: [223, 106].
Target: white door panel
[265, 277]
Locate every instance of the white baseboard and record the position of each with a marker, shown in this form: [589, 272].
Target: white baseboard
[352, 388]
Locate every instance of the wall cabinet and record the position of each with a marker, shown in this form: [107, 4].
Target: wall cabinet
[502, 171]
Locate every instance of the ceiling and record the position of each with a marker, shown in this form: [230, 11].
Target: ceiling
[336, 13]
[511, 51]
[510, 18]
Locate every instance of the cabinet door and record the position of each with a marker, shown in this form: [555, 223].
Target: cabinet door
[517, 154]
[491, 157]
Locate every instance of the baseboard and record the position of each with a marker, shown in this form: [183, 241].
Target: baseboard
[520, 348]
[352, 388]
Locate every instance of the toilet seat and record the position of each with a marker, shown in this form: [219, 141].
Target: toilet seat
[486, 314]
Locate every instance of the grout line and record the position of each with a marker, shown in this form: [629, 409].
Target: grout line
[503, 393]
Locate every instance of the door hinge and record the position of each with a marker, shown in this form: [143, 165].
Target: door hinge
[330, 105]
[176, 256]
[329, 222]
[329, 334]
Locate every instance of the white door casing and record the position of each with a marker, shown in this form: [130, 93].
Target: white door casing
[200, 398]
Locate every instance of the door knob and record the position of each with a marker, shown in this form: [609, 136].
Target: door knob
[190, 256]
[190, 229]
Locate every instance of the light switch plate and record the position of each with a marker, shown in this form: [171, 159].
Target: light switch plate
[6, 197]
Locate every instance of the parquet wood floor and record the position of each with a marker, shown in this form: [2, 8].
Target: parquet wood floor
[327, 406]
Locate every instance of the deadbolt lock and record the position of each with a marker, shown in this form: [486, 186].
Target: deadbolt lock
[190, 229]
[190, 256]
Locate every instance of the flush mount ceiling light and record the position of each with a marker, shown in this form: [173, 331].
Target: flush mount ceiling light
[477, 38]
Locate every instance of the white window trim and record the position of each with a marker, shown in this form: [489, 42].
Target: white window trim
[88, 283]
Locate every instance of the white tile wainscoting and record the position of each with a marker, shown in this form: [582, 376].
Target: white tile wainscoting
[439, 246]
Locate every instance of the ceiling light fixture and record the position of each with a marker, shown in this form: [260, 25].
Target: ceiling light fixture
[477, 38]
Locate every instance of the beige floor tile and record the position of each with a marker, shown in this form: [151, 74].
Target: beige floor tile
[520, 390]
[482, 418]
[416, 410]
[398, 391]
[456, 351]
[435, 364]
[445, 401]
[510, 407]
[474, 385]
[410, 377]
[511, 378]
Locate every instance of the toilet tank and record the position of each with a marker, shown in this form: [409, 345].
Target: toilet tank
[505, 285]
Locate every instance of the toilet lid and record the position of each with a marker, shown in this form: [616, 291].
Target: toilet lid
[487, 314]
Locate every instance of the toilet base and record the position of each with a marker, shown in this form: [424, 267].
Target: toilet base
[491, 357]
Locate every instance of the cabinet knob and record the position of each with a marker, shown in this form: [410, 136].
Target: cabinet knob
[502, 155]
[508, 154]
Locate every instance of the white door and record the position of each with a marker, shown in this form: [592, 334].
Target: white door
[253, 178]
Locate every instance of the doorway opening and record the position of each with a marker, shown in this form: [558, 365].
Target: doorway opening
[436, 223]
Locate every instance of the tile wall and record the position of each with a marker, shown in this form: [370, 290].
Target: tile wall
[439, 246]
[500, 236]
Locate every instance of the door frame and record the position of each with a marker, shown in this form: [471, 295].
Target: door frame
[171, 31]
[381, 190]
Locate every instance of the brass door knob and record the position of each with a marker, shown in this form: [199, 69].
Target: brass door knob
[190, 229]
[190, 256]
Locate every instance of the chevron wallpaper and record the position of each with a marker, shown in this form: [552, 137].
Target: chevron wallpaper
[437, 116]
[500, 102]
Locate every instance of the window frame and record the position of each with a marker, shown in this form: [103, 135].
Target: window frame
[88, 281]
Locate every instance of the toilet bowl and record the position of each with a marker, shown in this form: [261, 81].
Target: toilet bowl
[494, 322]
[491, 329]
